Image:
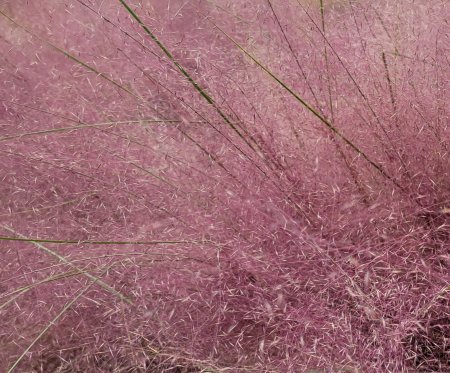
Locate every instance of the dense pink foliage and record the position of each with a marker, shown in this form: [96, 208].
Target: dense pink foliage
[295, 252]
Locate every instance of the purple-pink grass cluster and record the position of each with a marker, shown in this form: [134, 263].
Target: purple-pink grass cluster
[216, 186]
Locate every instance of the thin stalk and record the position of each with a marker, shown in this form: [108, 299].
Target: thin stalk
[66, 261]
[315, 112]
[206, 96]
[327, 64]
[94, 125]
[137, 196]
[351, 169]
[92, 242]
[81, 63]
[16, 293]
[363, 95]
[186, 105]
[53, 322]
[388, 78]
[294, 54]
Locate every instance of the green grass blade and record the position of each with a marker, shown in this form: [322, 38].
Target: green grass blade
[92, 242]
[77, 60]
[315, 112]
[198, 88]
[66, 261]
[93, 125]
[16, 293]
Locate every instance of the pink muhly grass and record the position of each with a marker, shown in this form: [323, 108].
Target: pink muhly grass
[213, 186]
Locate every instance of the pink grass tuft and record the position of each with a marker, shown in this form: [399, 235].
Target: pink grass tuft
[245, 186]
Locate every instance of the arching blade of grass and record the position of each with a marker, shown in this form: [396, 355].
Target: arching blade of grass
[327, 63]
[148, 172]
[54, 320]
[65, 260]
[211, 156]
[353, 172]
[91, 242]
[118, 85]
[93, 125]
[98, 126]
[315, 112]
[185, 104]
[135, 95]
[210, 101]
[358, 87]
[16, 293]
[389, 80]
[36, 210]
[351, 169]
[294, 55]
[255, 147]
[154, 257]
[234, 15]
[80, 62]
[81, 123]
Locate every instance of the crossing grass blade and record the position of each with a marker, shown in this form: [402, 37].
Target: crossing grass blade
[63, 259]
[93, 242]
[312, 110]
[203, 93]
